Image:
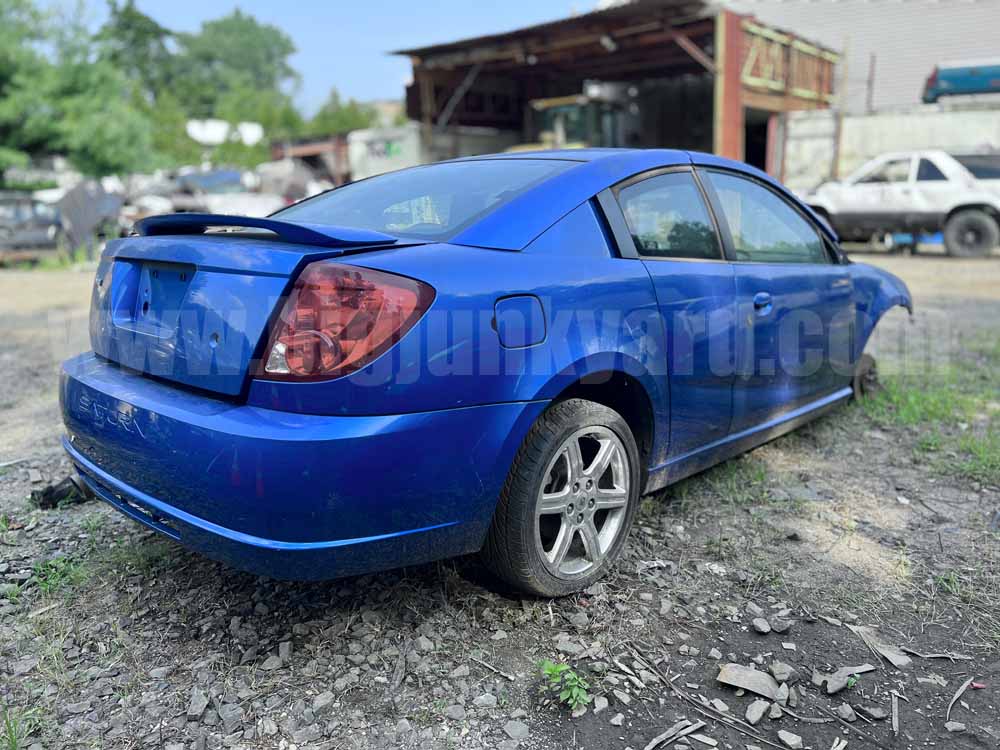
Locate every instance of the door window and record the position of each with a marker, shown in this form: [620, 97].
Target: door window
[894, 170]
[764, 227]
[667, 218]
[928, 172]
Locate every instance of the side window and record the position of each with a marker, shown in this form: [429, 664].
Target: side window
[927, 172]
[764, 227]
[894, 170]
[667, 218]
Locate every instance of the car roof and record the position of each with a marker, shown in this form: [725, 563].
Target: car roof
[517, 222]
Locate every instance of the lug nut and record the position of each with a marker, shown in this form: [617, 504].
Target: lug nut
[576, 486]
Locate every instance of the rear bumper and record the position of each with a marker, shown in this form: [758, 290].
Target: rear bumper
[289, 495]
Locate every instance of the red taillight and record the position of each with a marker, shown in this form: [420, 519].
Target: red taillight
[339, 318]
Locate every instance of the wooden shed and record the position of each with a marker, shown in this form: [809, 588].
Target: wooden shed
[682, 74]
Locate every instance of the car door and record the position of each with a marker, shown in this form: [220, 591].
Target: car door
[662, 219]
[43, 224]
[932, 193]
[877, 199]
[795, 311]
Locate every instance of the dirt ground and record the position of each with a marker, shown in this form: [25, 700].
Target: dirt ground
[884, 514]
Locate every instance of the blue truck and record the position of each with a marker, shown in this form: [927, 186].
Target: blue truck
[963, 77]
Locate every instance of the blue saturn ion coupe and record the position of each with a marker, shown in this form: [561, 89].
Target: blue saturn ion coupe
[494, 355]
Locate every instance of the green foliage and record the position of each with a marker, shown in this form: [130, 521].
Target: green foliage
[16, 726]
[57, 573]
[235, 52]
[567, 686]
[118, 100]
[980, 457]
[137, 46]
[336, 117]
[908, 403]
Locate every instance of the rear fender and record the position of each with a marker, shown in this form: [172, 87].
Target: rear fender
[596, 369]
[875, 292]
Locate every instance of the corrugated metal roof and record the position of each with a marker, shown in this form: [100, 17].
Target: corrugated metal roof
[907, 37]
[680, 9]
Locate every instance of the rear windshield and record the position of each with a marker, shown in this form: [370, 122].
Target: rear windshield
[982, 166]
[433, 202]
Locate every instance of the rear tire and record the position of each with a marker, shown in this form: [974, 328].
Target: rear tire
[564, 514]
[971, 233]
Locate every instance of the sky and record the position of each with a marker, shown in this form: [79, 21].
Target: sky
[345, 44]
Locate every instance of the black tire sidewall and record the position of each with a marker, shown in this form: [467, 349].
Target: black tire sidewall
[986, 225]
[563, 420]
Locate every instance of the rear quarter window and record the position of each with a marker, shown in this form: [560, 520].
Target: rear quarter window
[982, 166]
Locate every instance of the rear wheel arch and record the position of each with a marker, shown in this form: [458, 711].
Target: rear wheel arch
[624, 394]
[989, 208]
[972, 229]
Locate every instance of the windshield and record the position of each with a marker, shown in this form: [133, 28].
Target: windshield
[432, 203]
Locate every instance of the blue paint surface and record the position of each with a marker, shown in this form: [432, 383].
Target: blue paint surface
[402, 461]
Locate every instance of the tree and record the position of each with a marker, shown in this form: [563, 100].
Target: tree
[77, 105]
[232, 53]
[20, 30]
[137, 46]
[337, 117]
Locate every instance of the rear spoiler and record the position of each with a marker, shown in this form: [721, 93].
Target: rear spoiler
[302, 234]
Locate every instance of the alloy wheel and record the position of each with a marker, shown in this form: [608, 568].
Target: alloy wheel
[581, 505]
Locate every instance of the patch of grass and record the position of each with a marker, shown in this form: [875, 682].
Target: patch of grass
[930, 442]
[568, 687]
[972, 590]
[142, 556]
[740, 482]
[981, 457]
[16, 726]
[949, 582]
[92, 526]
[908, 402]
[58, 573]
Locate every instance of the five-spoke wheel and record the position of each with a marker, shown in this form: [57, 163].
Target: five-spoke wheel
[569, 500]
[581, 505]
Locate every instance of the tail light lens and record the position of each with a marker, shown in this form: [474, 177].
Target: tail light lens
[339, 318]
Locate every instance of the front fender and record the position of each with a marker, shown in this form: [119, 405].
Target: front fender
[875, 292]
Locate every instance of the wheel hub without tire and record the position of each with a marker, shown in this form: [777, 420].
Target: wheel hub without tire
[581, 506]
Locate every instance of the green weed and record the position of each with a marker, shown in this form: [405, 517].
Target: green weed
[567, 686]
[16, 727]
[58, 573]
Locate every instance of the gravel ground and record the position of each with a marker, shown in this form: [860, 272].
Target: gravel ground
[878, 515]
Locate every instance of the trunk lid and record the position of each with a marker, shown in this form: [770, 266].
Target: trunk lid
[191, 307]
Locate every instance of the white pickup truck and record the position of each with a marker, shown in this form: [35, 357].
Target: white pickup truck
[918, 192]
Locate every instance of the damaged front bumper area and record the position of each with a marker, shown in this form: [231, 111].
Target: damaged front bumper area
[292, 496]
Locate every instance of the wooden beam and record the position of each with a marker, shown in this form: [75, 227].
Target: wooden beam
[694, 50]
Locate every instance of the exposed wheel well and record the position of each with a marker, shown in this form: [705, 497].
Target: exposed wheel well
[991, 210]
[627, 396]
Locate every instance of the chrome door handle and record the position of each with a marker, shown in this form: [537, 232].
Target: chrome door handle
[762, 301]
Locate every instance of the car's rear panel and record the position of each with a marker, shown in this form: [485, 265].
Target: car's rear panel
[193, 466]
[191, 310]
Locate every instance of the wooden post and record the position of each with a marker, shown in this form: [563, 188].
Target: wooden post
[728, 116]
[870, 85]
[426, 113]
